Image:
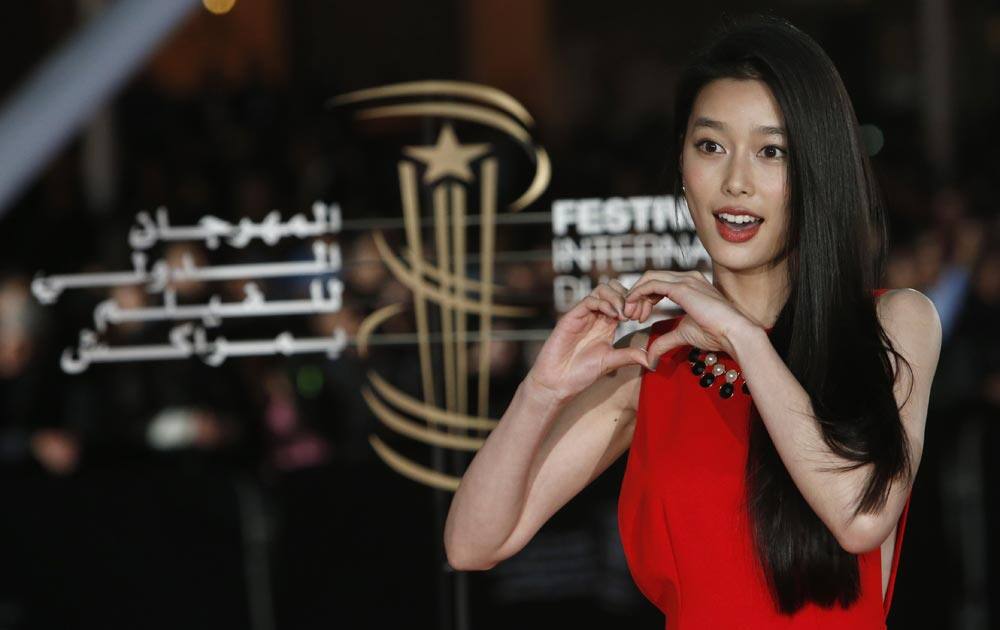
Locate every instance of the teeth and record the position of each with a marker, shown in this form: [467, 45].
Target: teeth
[737, 218]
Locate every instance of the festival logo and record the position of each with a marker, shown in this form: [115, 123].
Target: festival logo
[453, 309]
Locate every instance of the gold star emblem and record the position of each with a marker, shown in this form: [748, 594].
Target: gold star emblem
[447, 158]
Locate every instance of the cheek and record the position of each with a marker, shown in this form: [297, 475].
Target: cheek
[771, 186]
[695, 173]
[698, 194]
[774, 186]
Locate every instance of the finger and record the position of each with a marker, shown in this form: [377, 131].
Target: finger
[611, 311]
[620, 357]
[653, 290]
[647, 310]
[672, 276]
[677, 292]
[622, 291]
[582, 309]
[596, 304]
[663, 344]
[605, 292]
[587, 306]
[618, 286]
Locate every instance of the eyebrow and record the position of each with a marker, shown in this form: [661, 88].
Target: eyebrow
[768, 130]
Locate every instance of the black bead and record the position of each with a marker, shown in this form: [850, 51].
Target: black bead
[693, 354]
[707, 379]
[726, 391]
[698, 368]
[746, 390]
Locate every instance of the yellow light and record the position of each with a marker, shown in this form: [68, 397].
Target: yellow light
[219, 7]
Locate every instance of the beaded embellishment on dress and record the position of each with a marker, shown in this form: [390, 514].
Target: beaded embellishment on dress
[710, 368]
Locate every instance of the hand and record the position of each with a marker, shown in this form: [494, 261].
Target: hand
[709, 317]
[579, 350]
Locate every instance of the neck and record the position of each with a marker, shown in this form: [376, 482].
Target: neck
[757, 293]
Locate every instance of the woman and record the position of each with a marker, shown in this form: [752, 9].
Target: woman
[776, 427]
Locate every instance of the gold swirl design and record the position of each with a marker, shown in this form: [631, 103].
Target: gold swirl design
[371, 323]
[411, 280]
[441, 286]
[487, 94]
[414, 407]
[399, 424]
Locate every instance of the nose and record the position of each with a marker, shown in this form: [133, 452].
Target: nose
[739, 178]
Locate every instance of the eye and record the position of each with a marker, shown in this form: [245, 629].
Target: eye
[707, 143]
[773, 148]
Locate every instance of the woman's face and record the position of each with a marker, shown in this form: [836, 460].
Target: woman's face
[734, 166]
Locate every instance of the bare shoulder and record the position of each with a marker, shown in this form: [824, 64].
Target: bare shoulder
[911, 320]
[907, 299]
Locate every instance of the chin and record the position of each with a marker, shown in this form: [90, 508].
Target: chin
[739, 257]
[741, 264]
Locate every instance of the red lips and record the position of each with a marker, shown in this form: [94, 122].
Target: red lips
[734, 233]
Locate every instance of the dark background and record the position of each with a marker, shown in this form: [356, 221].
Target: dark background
[277, 513]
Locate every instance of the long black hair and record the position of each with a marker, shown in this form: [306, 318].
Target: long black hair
[828, 332]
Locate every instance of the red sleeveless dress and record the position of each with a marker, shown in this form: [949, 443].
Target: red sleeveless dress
[682, 519]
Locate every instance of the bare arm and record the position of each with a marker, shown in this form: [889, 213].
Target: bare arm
[911, 322]
[546, 448]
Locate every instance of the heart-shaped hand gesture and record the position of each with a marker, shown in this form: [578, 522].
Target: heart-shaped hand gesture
[709, 316]
[580, 349]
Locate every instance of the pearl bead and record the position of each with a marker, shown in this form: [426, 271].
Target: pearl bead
[710, 368]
